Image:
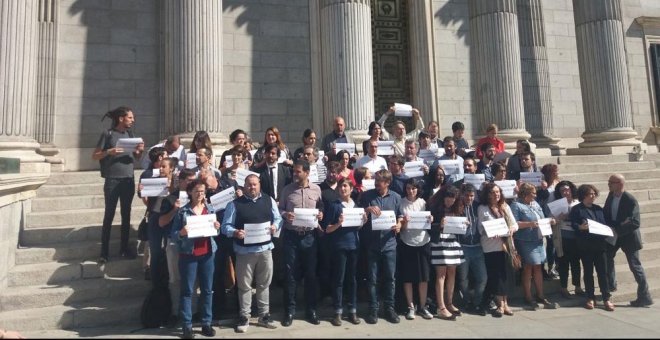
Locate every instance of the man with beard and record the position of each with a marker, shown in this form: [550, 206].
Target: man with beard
[488, 152]
[328, 196]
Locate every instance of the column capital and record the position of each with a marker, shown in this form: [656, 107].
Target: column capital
[586, 11]
[482, 7]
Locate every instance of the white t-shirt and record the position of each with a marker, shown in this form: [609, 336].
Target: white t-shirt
[373, 164]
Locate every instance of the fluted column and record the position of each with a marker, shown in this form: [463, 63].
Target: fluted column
[422, 65]
[347, 65]
[18, 56]
[535, 75]
[46, 80]
[603, 74]
[192, 67]
[498, 92]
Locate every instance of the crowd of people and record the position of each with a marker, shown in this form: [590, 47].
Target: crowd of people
[403, 270]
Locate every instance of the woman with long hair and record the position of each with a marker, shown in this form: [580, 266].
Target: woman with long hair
[201, 140]
[375, 133]
[308, 140]
[272, 136]
[344, 160]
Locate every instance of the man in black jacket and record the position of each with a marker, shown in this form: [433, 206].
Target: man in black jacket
[622, 214]
[272, 175]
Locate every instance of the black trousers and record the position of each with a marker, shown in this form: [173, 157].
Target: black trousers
[571, 259]
[636, 268]
[593, 255]
[117, 190]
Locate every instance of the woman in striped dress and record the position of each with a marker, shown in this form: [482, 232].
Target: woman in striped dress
[446, 252]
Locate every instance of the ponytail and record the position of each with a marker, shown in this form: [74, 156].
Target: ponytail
[115, 114]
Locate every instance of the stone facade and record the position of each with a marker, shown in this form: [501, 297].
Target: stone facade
[274, 61]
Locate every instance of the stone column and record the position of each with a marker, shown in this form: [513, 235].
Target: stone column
[18, 56]
[46, 80]
[535, 75]
[192, 68]
[422, 64]
[603, 76]
[347, 65]
[498, 93]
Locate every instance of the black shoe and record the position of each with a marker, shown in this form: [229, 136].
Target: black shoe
[288, 320]
[312, 318]
[641, 303]
[391, 316]
[336, 320]
[147, 274]
[128, 254]
[479, 310]
[188, 333]
[372, 318]
[497, 313]
[207, 330]
[353, 318]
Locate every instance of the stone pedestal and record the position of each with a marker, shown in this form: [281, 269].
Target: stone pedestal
[347, 64]
[498, 93]
[18, 43]
[192, 78]
[604, 78]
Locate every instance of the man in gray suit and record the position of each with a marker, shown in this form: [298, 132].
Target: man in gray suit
[622, 214]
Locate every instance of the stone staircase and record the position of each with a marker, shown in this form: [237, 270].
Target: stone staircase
[56, 284]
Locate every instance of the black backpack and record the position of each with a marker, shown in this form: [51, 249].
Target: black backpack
[103, 162]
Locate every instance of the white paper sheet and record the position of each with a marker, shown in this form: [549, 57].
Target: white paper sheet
[545, 227]
[282, 157]
[475, 179]
[428, 155]
[507, 187]
[241, 174]
[496, 227]
[305, 218]
[599, 228]
[385, 221]
[313, 173]
[321, 155]
[350, 147]
[419, 220]
[533, 178]
[228, 161]
[154, 187]
[256, 232]
[452, 167]
[369, 184]
[385, 148]
[155, 173]
[201, 225]
[220, 200]
[558, 207]
[183, 198]
[352, 217]
[191, 160]
[129, 144]
[402, 110]
[455, 225]
[413, 169]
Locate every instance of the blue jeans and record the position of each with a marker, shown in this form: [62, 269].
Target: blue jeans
[200, 267]
[300, 255]
[386, 262]
[115, 190]
[476, 266]
[635, 266]
[344, 266]
[157, 236]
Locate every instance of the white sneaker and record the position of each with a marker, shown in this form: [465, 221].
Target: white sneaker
[243, 324]
[411, 313]
[424, 313]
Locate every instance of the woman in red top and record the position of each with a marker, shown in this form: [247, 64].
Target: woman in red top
[344, 159]
[491, 137]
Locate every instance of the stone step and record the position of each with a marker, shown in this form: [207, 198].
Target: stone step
[105, 313]
[587, 167]
[46, 236]
[64, 190]
[67, 217]
[633, 184]
[79, 177]
[623, 274]
[63, 252]
[650, 252]
[73, 293]
[64, 272]
[604, 176]
[583, 159]
[49, 204]
[646, 194]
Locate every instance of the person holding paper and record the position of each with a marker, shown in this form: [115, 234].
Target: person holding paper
[381, 245]
[344, 243]
[311, 155]
[236, 137]
[395, 165]
[204, 166]
[174, 149]
[472, 272]
[359, 174]
[414, 252]
[238, 162]
[491, 137]
[117, 168]
[435, 181]
[273, 136]
[433, 133]
[498, 170]
[513, 164]
[469, 167]
[485, 163]
[446, 252]
[344, 161]
[375, 134]
[622, 214]
[273, 175]
[195, 260]
[336, 136]
[411, 155]
[399, 135]
[592, 247]
[299, 243]
[201, 140]
[371, 160]
[462, 146]
[254, 261]
[550, 173]
[529, 243]
[564, 240]
[493, 206]
[450, 154]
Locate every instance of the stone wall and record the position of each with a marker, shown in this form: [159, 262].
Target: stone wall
[13, 217]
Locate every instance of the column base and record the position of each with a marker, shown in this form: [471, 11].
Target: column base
[357, 137]
[50, 152]
[511, 136]
[548, 146]
[25, 150]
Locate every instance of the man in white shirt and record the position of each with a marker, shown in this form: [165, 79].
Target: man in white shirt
[371, 160]
[399, 134]
[174, 149]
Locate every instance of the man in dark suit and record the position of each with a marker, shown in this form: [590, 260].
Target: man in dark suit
[273, 176]
[622, 214]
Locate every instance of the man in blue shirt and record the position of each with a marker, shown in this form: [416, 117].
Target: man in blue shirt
[253, 260]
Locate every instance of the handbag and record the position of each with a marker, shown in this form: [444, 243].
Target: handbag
[143, 232]
[510, 248]
[230, 274]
